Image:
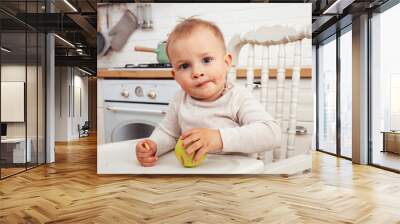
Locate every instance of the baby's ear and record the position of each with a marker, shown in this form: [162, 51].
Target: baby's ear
[228, 59]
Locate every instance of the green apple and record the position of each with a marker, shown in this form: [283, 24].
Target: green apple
[185, 159]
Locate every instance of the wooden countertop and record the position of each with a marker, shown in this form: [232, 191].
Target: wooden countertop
[305, 73]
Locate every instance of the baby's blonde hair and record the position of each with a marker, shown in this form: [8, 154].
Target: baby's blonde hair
[187, 26]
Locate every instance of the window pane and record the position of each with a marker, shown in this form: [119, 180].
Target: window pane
[386, 89]
[346, 94]
[327, 97]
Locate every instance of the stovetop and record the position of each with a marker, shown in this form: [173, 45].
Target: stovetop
[151, 65]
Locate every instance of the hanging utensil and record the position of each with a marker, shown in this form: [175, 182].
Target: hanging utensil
[117, 37]
[103, 42]
[121, 32]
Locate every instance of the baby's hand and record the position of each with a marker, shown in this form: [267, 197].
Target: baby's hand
[146, 152]
[202, 141]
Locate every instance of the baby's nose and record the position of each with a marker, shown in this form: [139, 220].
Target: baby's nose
[197, 75]
[197, 72]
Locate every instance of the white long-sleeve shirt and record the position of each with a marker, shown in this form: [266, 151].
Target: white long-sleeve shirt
[243, 123]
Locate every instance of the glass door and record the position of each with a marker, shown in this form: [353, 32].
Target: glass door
[22, 69]
[13, 94]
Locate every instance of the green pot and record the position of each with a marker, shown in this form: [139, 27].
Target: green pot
[160, 51]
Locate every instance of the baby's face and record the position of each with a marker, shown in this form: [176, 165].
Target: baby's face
[200, 64]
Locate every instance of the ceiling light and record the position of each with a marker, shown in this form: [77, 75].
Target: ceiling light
[70, 5]
[79, 51]
[64, 40]
[86, 72]
[5, 50]
[337, 7]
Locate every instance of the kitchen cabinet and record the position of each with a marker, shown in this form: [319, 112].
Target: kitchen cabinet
[391, 141]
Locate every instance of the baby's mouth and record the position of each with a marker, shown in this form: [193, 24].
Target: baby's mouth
[202, 83]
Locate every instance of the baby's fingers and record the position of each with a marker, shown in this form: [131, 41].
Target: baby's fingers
[142, 155]
[149, 161]
[143, 147]
[199, 154]
[193, 147]
[189, 132]
[151, 144]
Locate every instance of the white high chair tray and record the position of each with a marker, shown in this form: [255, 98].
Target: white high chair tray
[120, 158]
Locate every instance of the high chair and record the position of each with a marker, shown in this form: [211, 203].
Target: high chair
[285, 159]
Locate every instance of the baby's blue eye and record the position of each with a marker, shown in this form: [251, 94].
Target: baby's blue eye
[207, 60]
[183, 66]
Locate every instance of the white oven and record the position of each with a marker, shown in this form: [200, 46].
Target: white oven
[131, 108]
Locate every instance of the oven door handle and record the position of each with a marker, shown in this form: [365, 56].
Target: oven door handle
[136, 110]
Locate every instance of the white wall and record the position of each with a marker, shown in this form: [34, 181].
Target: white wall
[62, 80]
[80, 83]
[231, 18]
[67, 80]
[15, 73]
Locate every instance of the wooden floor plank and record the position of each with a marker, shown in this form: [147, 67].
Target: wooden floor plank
[70, 191]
